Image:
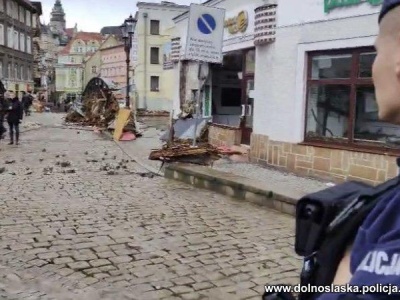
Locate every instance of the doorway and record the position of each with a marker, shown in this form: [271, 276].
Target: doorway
[249, 59]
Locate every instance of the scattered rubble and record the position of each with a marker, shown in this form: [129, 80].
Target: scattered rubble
[2, 170]
[9, 162]
[100, 110]
[48, 170]
[65, 164]
[31, 125]
[203, 154]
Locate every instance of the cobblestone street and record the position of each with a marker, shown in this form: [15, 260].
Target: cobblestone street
[80, 220]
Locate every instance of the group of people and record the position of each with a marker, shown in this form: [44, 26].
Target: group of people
[12, 109]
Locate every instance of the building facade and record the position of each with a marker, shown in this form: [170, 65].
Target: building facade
[154, 22]
[93, 63]
[17, 29]
[228, 96]
[113, 64]
[69, 69]
[301, 96]
[320, 68]
[53, 37]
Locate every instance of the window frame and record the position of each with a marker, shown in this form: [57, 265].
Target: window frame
[348, 143]
[153, 32]
[2, 34]
[158, 84]
[158, 56]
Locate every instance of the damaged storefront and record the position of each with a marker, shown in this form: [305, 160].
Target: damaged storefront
[228, 93]
[318, 115]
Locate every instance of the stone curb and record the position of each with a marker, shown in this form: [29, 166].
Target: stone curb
[239, 187]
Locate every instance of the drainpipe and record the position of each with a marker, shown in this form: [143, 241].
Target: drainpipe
[145, 15]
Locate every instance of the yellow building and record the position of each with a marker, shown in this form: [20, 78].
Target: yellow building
[70, 65]
[93, 62]
[153, 32]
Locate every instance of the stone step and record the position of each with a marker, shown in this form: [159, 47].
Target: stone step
[274, 196]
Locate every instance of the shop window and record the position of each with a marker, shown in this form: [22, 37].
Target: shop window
[341, 105]
[154, 27]
[154, 55]
[155, 83]
[231, 97]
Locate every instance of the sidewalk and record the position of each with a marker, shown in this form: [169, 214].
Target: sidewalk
[244, 181]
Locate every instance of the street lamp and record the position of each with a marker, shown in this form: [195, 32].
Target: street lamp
[127, 29]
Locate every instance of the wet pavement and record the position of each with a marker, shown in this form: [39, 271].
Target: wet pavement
[80, 220]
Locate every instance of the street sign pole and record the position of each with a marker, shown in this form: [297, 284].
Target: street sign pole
[204, 45]
[197, 106]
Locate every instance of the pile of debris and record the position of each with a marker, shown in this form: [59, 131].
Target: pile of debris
[100, 112]
[38, 106]
[183, 151]
[152, 113]
[179, 147]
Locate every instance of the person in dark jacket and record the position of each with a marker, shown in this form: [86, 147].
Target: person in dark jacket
[14, 117]
[374, 258]
[26, 103]
[3, 111]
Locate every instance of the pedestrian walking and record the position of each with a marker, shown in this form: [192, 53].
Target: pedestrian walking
[15, 114]
[26, 103]
[3, 111]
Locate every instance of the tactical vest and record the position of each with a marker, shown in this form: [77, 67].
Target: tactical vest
[326, 224]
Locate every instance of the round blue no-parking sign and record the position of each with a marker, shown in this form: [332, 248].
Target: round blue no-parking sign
[206, 24]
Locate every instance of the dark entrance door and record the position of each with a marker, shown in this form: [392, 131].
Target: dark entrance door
[247, 110]
[248, 96]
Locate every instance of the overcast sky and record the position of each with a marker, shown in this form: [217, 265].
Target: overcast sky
[92, 15]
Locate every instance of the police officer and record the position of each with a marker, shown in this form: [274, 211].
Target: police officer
[374, 258]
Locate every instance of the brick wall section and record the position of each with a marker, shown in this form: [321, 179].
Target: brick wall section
[329, 164]
[220, 135]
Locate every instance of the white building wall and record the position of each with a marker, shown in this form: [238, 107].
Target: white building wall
[281, 67]
[231, 42]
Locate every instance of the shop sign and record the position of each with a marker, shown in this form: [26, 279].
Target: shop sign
[238, 23]
[332, 4]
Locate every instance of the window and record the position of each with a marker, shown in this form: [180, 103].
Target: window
[154, 83]
[94, 70]
[72, 59]
[22, 73]
[9, 7]
[341, 104]
[154, 27]
[21, 14]
[22, 42]
[9, 71]
[1, 33]
[29, 73]
[28, 45]
[154, 55]
[10, 41]
[16, 40]
[28, 18]
[1, 67]
[16, 71]
[1, 5]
